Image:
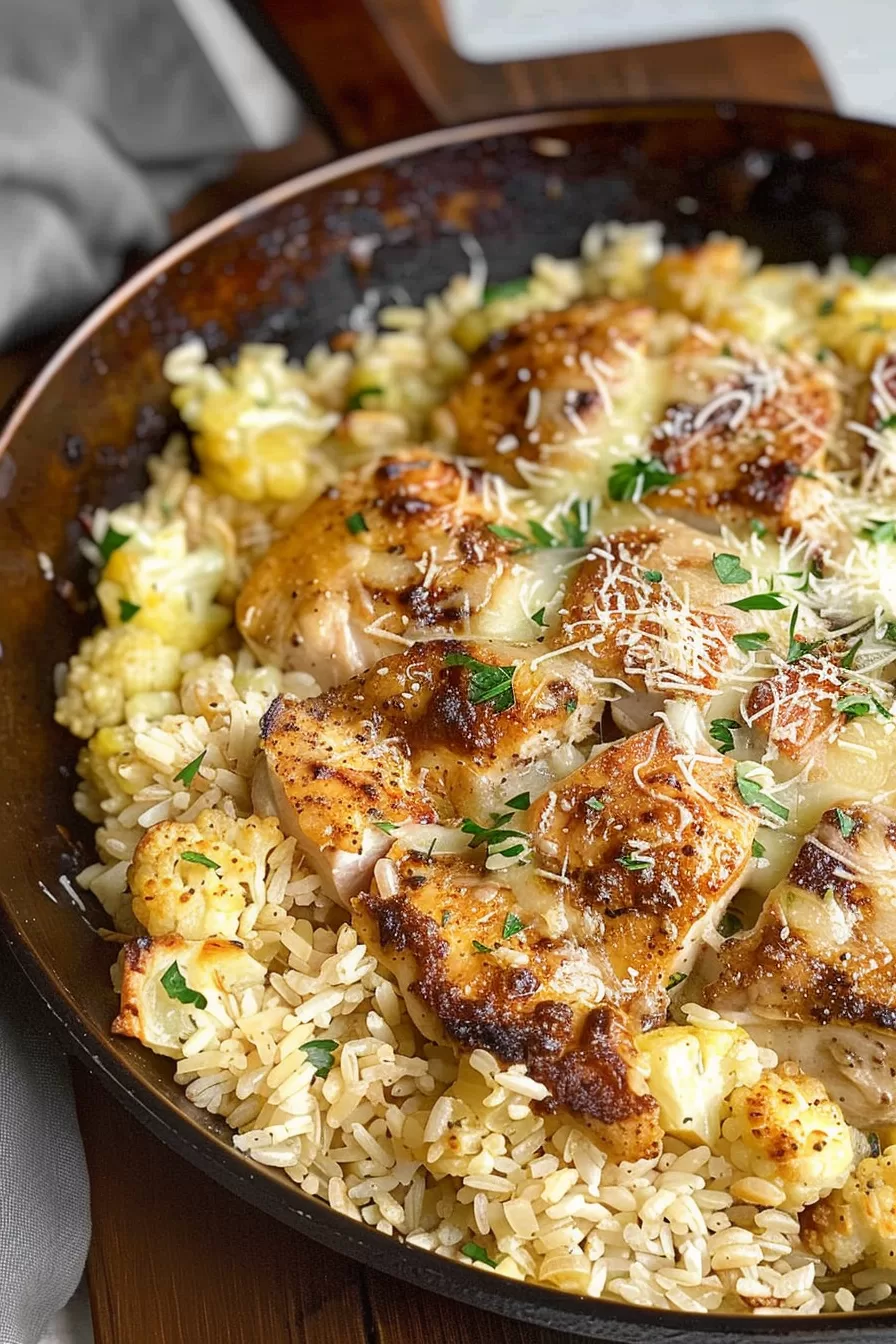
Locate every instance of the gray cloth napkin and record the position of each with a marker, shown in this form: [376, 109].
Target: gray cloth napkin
[110, 115]
[44, 1202]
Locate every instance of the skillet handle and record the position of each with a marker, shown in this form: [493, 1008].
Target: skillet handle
[378, 70]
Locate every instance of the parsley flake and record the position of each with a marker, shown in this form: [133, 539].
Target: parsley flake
[512, 925]
[486, 682]
[509, 289]
[476, 1252]
[538, 617]
[752, 794]
[111, 542]
[888, 423]
[846, 823]
[750, 642]
[480, 947]
[857, 706]
[635, 863]
[355, 524]
[862, 265]
[798, 648]
[176, 987]
[652, 576]
[631, 480]
[849, 657]
[191, 856]
[572, 705]
[729, 924]
[492, 836]
[519, 803]
[874, 1143]
[758, 850]
[188, 774]
[729, 569]
[676, 979]
[759, 602]
[879, 530]
[757, 528]
[595, 804]
[446, 917]
[356, 400]
[320, 1054]
[722, 731]
[826, 307]
[575, 526]
[387, 827]
[127, 610]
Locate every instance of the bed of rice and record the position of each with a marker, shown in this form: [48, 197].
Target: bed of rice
[399, 1135]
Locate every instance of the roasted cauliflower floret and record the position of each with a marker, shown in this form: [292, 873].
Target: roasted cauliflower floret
[696, 280]
[170, 986]
[785, 1129]
[693, 1069]
[858, 1221]
[195, 878]
[155, 582]
[116, 674]
[256, 428]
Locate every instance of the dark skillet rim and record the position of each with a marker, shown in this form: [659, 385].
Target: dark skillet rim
[210, 1152]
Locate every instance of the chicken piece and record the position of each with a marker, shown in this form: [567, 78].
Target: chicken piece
[744, 433]
[443, 729]
[858, 1221]
[647, 607]
[478, 971]
[795, 709]
[170, 986]
[815, 980]
[785, 1130]
[650, 839]
[195, 878]
[696, 280]
[546, 401]
[402, 550]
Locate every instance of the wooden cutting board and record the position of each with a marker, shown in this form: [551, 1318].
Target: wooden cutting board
[176, 1259]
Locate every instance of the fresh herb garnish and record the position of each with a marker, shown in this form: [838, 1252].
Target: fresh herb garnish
[486, 682]
[355, 524]
[387, 827]
[480, 947]
[176, 987]
[188, 774]
[320, 1054]
[726, 352]
[356, 400]
[874, 1143]
[127, 610]
[574, 528]
[631, 480]
[798, 648]
[759, 602]
[729, 924]
[509, 289]
[491, 836]
[758, 850]
[862, 265]
[512, 926]
[476, 1252]
[572, 705]
[652, 575]
[111, 542]
[519, 803]
[729, 569]
[752, 794]
[191, 856]
[890, 632]
[635, 863]
[826, 307]
[755, 639]
[888, 423]
[594, 804]
[757, 528]
[846, 823]
[849, 657]
[857, 706]
[879, 530]
[722, 731]
[446, 916]
[675, 979]
[538, 617]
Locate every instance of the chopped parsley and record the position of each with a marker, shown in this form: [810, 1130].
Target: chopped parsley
[635, 863]
[890, 632]
[889, 423]
[757, 528]
[446, 917]
[675, 979]
[652, 576]
[176, 987]
[387, 827]
[849, 657]
[191, 856]
[574, 528]
[874, 1143]
[486, 682]
[755, 639]
[879, 530]
[798, 648]
[729, 569]
[631, 480]
[846, 823]
[758, 850]
[862, 265]
[752, 794]
[476, 1252]
[512, 925]
[480, 947]
[572, 705]
[127, 610]
[111, 542]
[519, 803]
[729, 924]
[726, 352]
[495, 835]
[826, 307]
[759, 602]
[722, 731]
[857, 706]
[355, 524]
[509, 289]
[320, 1054]
[356, 400]
[594, 804]
[538, 617]
[188, 774]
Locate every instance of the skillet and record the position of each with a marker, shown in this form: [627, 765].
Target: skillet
[801, 185]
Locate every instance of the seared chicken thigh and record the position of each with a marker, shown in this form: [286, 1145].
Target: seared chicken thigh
[816, 978]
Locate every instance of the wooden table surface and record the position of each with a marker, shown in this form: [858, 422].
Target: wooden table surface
[176, 1259]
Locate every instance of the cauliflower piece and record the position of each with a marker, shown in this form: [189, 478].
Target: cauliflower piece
[785, 1130]
[859, 321]
[111, 675]
[204, 896]
[697, 280]
[691, 1071]
[858, 1221]
[170, 986]
[155, 582]
[256, 426]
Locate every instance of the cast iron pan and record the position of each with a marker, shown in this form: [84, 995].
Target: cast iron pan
[798, 184]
